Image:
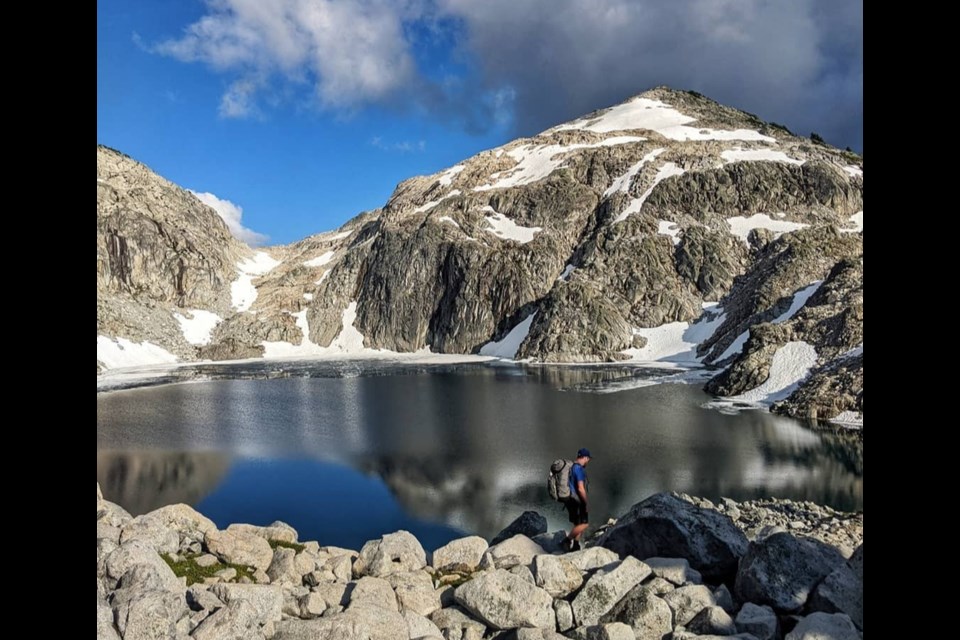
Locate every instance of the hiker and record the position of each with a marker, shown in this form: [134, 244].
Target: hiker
[576, 504]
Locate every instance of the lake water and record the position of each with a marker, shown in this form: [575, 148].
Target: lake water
[345, 452]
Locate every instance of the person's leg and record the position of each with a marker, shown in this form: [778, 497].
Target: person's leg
[573, 510]
[580, 523]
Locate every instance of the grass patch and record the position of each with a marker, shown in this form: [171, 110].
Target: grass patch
[194, 573]
[296, 546]
[851, 156]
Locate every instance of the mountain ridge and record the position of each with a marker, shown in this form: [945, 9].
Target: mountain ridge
[594, 239]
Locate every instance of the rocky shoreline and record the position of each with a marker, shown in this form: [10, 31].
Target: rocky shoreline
[673, 567]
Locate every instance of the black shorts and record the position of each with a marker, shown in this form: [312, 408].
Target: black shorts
[577, 511]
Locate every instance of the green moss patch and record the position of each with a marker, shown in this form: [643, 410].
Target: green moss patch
[296, 546]
[188, 567]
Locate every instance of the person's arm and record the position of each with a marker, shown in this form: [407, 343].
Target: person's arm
[582, 492]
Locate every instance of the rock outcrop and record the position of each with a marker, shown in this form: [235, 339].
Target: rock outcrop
[182, 577]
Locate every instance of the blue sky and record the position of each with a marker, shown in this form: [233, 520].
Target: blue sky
[303, 113]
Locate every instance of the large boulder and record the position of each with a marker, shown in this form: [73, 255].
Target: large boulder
[455, 622]
[504, 601]
[460, 553]
[528, 523]
[112, 514]
[608, 631]
[713, 621]
[824, 626]
[186, 521]
[675, 570]
[647, 614]
[280, 531]
[415, 592]
[284, 567]
[687, 602]
[783, 569]
[150, 615]
[520, 548]
[236, 621]
[664, 525]
[373, 592]
[592, 558]
[131, 554]
[393, 553]
[421, 627]
[840, 592]
[152, 532]
[605, 588]
[266, 600]
[556, 575]
[564, 613]
[362, 623]
[105, 628]
[240, 547]
[758, 620]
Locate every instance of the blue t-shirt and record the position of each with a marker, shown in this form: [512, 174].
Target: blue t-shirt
[577, 474]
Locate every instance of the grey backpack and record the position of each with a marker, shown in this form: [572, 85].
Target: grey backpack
[558, 482]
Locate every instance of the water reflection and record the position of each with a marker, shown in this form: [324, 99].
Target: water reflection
[464, 446]
[143, 481]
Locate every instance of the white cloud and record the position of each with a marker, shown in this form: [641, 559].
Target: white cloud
[238, 101]
[231, 214]
[537, 63]
[352, 51]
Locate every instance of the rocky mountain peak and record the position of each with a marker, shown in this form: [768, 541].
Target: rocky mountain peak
[667, 227]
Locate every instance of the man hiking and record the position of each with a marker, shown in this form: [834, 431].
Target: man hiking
[576, 504]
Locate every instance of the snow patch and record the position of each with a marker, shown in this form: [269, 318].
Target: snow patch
[567, 270]
[668, 228]
[791, 364]
[510, 344]
[446, 178]
[666, 171]
[349, 339]
[115, 353]
[857, 220]
[450, 220]
[308, 297]
[643, 113]
[197, 329]
[800, 298]
[504, 227]
[536, 162]
[319, 261]
[854, 171]
[851, 419]
[677, 341]
[735, 347]
[766, 155]
[242, 292]
[286, 349]
[623, 182]
[853, 353]
[430, 205]
[742, 227]
[323, 276]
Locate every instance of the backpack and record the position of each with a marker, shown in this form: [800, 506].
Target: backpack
[558, 482]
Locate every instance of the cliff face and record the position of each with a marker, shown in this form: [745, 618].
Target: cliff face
[666, 227]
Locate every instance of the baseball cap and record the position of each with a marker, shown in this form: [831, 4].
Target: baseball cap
[584, 453]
